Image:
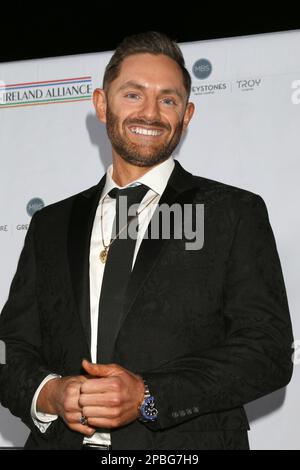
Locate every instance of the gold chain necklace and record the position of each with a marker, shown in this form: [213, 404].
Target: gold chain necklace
[104, 252]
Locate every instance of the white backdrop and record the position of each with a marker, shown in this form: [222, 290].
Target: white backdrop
[245, 132]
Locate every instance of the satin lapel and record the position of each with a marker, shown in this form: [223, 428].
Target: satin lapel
[180, 189]
[80, 229]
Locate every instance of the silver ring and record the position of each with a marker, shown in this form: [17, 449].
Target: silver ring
[83, 420]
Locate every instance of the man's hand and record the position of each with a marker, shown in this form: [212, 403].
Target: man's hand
[111, 399]
[60, 397]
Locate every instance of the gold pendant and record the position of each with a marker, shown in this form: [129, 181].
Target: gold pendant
[103, 255]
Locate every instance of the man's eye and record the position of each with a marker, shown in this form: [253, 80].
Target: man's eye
[132, 96]
[169, 101]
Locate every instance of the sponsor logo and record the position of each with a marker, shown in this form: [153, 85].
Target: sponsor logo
[248, 85]
[33, 206]
[227, 87]
[66, 90]
[22, 227]
[211, 88]
[202, 69]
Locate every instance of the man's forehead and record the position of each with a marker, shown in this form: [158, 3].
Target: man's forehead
[150, 70]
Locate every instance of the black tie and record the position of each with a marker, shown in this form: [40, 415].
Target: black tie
[116, 274]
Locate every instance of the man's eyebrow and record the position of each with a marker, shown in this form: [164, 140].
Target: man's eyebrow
[172, 91]
[138, 86]
[132, 84]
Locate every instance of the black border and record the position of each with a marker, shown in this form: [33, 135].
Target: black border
[32, 34]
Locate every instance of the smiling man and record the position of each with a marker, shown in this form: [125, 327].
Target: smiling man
[120, 342]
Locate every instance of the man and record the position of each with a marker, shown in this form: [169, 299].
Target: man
[203, 331]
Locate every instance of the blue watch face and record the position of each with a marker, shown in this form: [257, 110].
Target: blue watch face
[148, 409]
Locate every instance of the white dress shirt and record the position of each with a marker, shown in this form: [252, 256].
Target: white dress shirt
[156, 179]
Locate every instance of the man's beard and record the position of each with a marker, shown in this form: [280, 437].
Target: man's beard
[139, 154]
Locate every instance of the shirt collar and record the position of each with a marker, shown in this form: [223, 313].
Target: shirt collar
[156, 178]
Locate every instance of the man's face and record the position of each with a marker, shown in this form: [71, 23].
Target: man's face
[145, 109]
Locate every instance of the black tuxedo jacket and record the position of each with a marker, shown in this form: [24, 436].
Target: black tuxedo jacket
[209, 330]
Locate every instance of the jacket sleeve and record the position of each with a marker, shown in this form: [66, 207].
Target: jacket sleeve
[23, 370]
[255, 357]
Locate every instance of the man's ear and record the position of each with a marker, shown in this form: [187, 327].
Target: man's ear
[188, 115]
[99, 100]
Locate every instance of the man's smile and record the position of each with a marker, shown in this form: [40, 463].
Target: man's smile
[147, 133]
[138, 130]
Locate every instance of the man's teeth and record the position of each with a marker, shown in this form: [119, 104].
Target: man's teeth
[139, 130]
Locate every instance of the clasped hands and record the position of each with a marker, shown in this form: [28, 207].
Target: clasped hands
[108, 396]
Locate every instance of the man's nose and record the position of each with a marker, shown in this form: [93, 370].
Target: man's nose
[151, 109]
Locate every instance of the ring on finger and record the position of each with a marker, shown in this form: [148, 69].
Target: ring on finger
[83, 420]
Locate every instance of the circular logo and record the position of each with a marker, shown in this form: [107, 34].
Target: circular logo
[34, 205]
[202, 69]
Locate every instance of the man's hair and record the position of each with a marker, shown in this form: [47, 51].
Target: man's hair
[151, 42]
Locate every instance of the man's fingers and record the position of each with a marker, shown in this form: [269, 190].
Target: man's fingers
[101, 385]
[99, 399]
[73, 422]
[73, 418]
[86, 430]
[91, 369]
[96, 370]
[106, 423]
[100, 370]
[109, 423]
[100, 412]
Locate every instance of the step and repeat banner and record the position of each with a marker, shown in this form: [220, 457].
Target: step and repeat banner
[245, 132]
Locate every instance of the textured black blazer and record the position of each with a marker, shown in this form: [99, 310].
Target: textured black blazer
[208, 329]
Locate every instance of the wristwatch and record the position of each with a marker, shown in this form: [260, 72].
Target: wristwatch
[148, 411]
